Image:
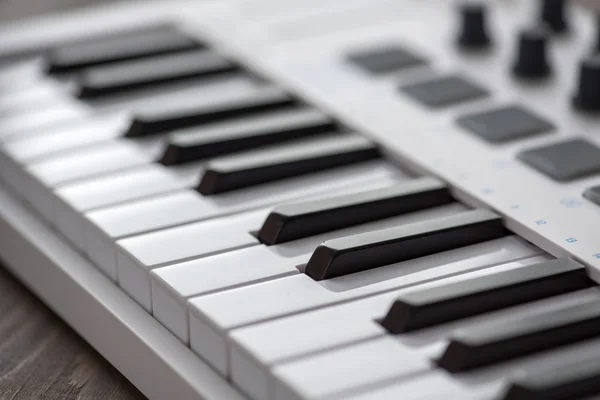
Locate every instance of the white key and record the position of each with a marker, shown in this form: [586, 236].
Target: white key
[29, 122]
[139, 217]
[147, 215]
[73, 200]
[146, 180]
[144, 216]
[424, 387]
[190, 241]
[21, 75]
[172, 285]
[87, 163]
[294, 381]
[257, 348]
[336, 371]
[221, 312]
[42, 94]
[162, 211]
[191, 173]
[78, 133]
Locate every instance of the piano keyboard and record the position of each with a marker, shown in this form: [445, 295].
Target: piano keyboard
[313, 200]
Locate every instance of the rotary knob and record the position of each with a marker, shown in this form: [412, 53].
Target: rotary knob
[532, 59]
[474, 33]
[553, 14]
[588, 94]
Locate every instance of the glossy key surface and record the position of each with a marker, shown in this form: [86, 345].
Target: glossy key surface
[293, 221]
[245, 133]
[284, 161]
[118, 47]
[421, 309]
[151, 71]
[161, 117]
[509, 337]
[369, 250]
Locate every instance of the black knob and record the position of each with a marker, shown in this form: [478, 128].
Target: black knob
[474, 33]
[532, 60]
[588, 95]
[553, 14]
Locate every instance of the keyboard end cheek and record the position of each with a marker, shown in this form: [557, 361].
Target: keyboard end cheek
[319, 265]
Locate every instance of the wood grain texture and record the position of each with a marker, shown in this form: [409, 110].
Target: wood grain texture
[42, 358]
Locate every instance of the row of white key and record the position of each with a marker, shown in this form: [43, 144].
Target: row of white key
[393, 358]
[174, 314]
[490, 383]
[213, 316]
[168, 316]
[256, 263]
[82, 151]
[139, 255]
[256, 350]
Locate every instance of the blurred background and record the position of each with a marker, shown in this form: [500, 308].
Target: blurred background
[17, 9]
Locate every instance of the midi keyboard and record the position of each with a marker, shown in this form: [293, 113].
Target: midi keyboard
[324, 200]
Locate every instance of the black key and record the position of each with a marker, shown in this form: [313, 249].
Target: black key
[245, 134]
[375, 249]
[571, 377]
[386, 59]
[120, 47]
[506, 338]
[593, 194]
[284, 161]
[505, 124]
[170, 117]
[444, 91]
[429, 307]
[138, 74]
[295, 221]
[564, 161]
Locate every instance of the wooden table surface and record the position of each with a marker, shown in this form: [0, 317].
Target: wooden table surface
[43, 358]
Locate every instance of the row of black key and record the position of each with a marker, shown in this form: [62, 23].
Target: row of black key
[481, 344]
[343, 256]
[120, 46]
[148, 58]
[251, 168]
[255, 120]
[509, 337]
[138, 74]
